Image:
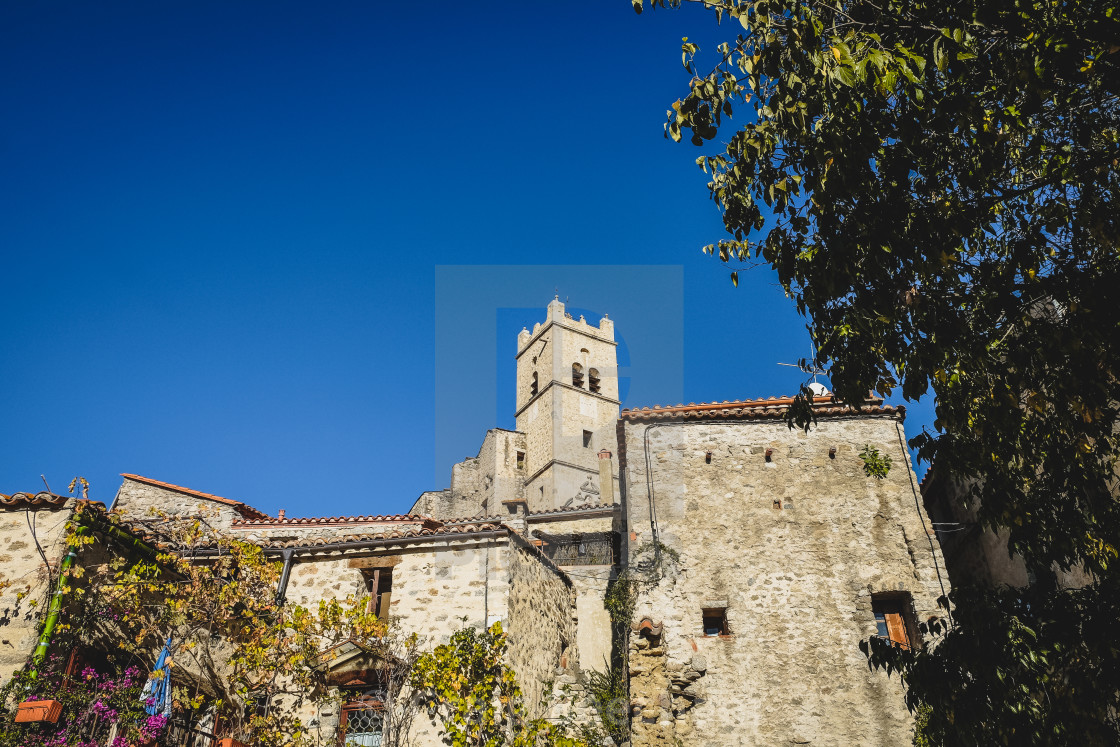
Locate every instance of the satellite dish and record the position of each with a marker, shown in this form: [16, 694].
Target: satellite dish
[818, 389]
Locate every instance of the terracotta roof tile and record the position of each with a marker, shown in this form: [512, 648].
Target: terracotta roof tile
[550, 512]
[425, 533]
[304, 521]
[243, 508]
[475, 519]
[771, 407]
[571, 509]
[32, 500]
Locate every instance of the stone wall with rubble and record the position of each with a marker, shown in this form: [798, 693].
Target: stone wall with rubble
[792, 547]
[23, 568]
[479, 484]
[540, 618]
[137, 501]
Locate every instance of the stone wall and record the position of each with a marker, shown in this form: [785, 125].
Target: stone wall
[433, 503]
[792, 547]
[23, 567]
[480, 484]
[540, 619]
[441, 588]
[138, 501]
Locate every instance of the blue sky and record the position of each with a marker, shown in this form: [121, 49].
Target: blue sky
[223, 227]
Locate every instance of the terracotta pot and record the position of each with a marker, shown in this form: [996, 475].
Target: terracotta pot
[38, 710]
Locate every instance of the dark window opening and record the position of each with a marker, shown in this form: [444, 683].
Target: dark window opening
[521, 460]
[715, 623]
[533, 385]
[593, 380]
[587, 439]
[379, 587]
[577, 375]
[891, 620]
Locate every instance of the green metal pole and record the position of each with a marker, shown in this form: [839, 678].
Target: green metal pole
[55, 610]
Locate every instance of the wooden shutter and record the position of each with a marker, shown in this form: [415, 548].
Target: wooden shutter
[896, 628]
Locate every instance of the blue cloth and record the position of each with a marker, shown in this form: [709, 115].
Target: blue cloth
[156, 695]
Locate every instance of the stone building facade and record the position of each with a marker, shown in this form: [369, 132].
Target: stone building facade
[764, 556]
[761, 555]
[32, 543]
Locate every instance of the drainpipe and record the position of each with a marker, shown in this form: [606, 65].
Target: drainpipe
[55, 610]
[287, 555]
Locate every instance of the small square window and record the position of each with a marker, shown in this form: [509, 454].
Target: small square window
[587, 439]
[715, 622]
[890, 620]
[521, 460]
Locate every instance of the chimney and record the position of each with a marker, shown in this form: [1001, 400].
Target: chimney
[280, 514]
[606, 478]
[517, 510]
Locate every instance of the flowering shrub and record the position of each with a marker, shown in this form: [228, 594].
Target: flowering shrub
[92, 703]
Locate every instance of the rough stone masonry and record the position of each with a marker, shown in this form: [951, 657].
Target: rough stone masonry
[763, 554]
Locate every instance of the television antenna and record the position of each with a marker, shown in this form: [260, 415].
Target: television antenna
[818, 389]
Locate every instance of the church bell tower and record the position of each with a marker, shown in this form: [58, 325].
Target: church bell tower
[567, 407]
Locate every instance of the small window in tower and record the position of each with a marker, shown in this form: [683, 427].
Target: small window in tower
[521, 460]
[715, 622]
[533, 385]
[890, 619]
[577, 375]
[587, 439]
[593, 379]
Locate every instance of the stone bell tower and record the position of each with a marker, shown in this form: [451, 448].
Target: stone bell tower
[567, 407]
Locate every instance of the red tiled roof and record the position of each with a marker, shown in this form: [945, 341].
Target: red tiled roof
[433, 533]
[572, 509]
[475, 519]
[549, 512]
[302, 521]
[243, 508]
[773, 407]
[33, 500]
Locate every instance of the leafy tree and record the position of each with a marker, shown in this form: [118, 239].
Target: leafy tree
[468, 686]
[935, 184]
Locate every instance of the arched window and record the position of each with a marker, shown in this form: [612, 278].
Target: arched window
[577, 375]
[533, 385]
[593, 379]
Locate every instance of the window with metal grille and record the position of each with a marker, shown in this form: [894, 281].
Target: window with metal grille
[589, 548]
[363, 722]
